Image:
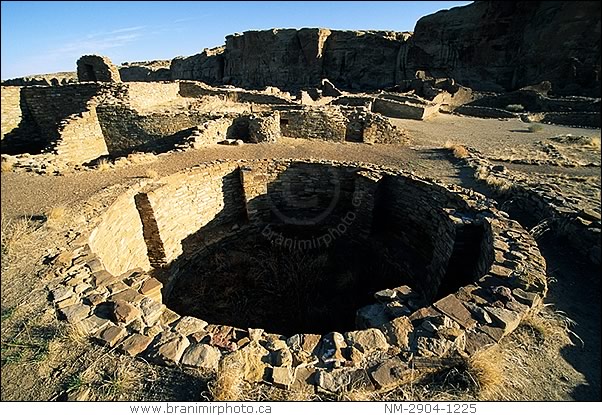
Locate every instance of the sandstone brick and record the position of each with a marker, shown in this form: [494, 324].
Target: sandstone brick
[201, 356]
[454, 308]
[112, 335]
[124, 312]
[135, 344]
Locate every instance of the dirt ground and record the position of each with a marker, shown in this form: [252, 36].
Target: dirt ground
[554, 355]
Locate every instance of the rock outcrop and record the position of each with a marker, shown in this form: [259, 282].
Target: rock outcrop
[498, 46]
[290, 58]
[487, 45]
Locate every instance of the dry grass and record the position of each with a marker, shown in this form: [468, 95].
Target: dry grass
[228, 385]
[534, 128]
[7, 166]
[115, 383]
[151, 174]
[578, 140]
[458, 150]
[104, 165]
[485, 368]
[56, 216]
[499, 184]
[15, 233]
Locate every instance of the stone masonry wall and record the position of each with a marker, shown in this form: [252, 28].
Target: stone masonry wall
[81, 138]
[125, 130]
[141, 95]
[51, 105]
[11, 108]
[386, 349]
[322, 124]
[414, 216]
[118, 240]
[190, 201]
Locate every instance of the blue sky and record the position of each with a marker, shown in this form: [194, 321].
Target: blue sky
[45, 37]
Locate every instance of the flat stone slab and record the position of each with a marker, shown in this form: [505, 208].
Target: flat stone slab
[398, 330]
[367, 340]
[282, 377]
[506, 319]
[454, 308]
[151, 311]
[373, 315]
[61, 293]
[124, 312]
[135, 344]
[75, 313]
[390, 373]
[201, 356]
[169, 348]
[112, 335]
[93, 324]
[188, 325]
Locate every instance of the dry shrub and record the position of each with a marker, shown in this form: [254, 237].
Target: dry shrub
[228, 383]
[458, 150]
[117, 382]
[7, 166]
[151, 174]
[56, 215]
[533, 128]
[502, 185]
[104, 165]
[485, 368]
[15, 232]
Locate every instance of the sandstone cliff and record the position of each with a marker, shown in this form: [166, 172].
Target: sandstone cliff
[487, 45]
[290, 58]
[495, 45]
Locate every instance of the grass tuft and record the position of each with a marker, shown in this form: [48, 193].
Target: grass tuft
[229, 380]
[534, 128]
[458, 150]
[6, 166]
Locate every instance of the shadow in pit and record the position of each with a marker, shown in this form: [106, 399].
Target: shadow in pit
[244, 278]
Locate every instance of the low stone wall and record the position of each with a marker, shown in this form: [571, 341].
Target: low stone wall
[141, 73]
[118, 240]
[484, 112]
[125, 130]
[322, 124]
[191, 89]
[11, 108]
[395, 337]
[141, 95]
[580, 226]
[573, 119]
[404, 107]
[367, 127]
[80, 138]
[49, 106]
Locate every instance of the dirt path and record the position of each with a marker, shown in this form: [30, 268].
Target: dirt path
[32, 194]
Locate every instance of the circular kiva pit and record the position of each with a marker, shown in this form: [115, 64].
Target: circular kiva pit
[312, 274]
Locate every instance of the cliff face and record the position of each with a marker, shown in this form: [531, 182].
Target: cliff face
[290, 58]
[487, 45]
[495, 45]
